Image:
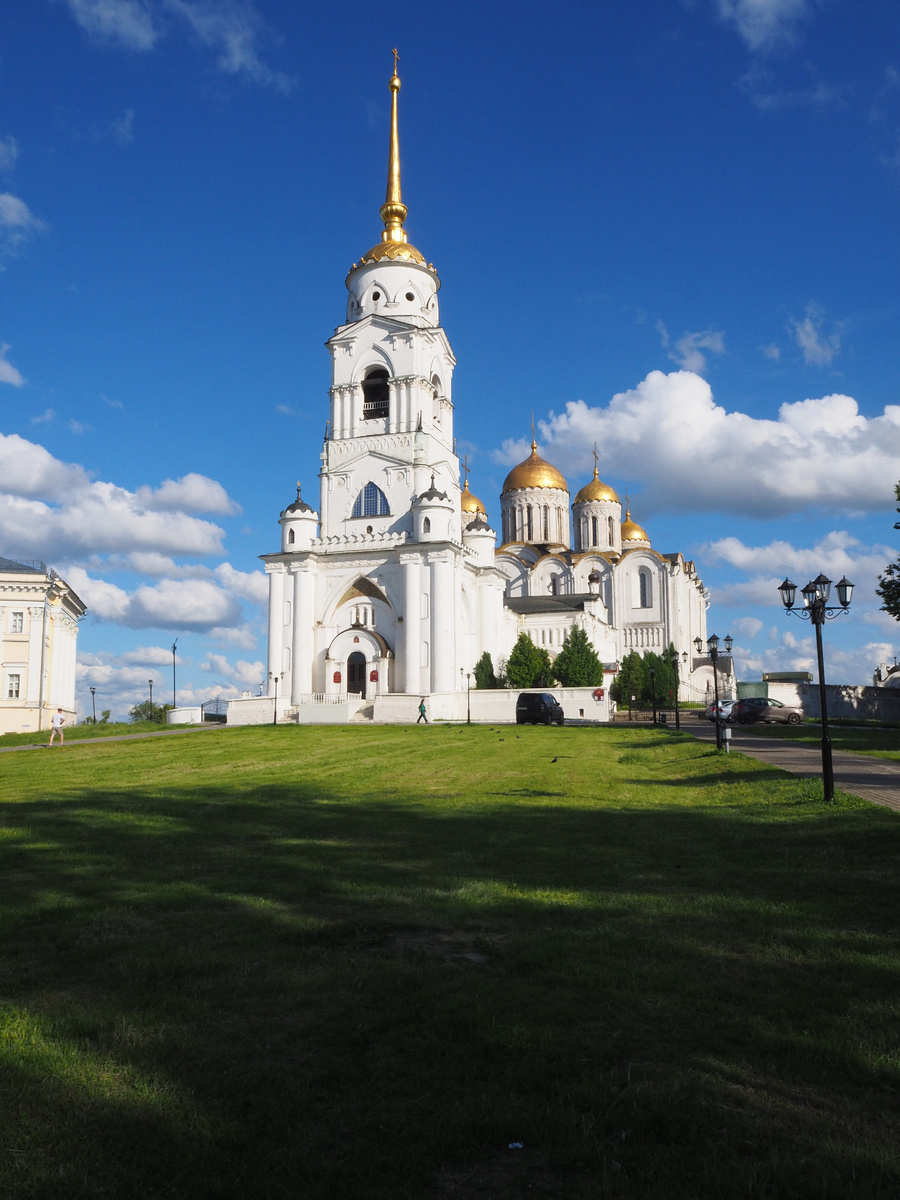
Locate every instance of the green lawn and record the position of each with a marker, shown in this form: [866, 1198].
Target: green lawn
[77, 733]
[357, 963]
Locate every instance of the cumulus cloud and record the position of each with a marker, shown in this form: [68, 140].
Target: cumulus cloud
[195, 605]
[192, 493]
[8, 373]
[244, 673]
[249, 585]
[765, 24]
[747, 627]
[17, 222]
[232, 29]
[695, 455]
[771, 352]
[688, 350]
[818, 347]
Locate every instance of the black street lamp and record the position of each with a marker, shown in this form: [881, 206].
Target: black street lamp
[671, 657]
[653, 691]
[94, 703]
[816, 609]
[712, 648]
[150, 681]
[275, 678]
[174, 701]
[468, 697]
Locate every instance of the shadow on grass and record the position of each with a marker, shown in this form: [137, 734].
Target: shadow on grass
[277, 991]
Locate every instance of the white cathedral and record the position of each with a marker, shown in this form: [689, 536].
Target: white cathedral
[396, 584]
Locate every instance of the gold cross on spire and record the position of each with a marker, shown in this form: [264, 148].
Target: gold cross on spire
[396, 56]
[466, 469]
[595, 458]
[533, 442]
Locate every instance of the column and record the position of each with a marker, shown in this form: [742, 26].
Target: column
[443, 625]
[303, 631]
[412, 623]
[395, 402]
[275, 571]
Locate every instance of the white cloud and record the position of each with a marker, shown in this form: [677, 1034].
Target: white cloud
[232, 29]
[27, 469]
[17, 222]
[243, 636]
[194, 605]
[8, 373]
[9, 152]
[192, 493]
[771, 352]
[747, 627]
[764, 24]
[246, 674]
[112, 403]
[249, 585]
[49, 414]
[151, 656]
[688, 350]
[283, 408]
[694, 455]
[128, 23]
[76, 427]
[818, 348]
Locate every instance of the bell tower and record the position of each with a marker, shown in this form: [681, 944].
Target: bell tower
[391, 425]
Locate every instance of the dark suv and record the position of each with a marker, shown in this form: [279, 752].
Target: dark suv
[538, 708]
[759, 708]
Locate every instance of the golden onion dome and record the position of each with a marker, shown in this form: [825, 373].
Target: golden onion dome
[596, 490]
[534, 472]
[631, 531]
[469, 503]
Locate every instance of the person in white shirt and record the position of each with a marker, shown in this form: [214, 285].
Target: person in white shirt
[57, 721]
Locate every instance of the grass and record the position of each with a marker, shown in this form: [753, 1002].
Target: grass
[77, 733]
[360, 962]
[881, 741]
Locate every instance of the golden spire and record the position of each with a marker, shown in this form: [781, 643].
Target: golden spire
[393, 211]
[393, 244]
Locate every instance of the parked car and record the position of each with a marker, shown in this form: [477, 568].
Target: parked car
[761, 708]
[709, 713]
[538, 708]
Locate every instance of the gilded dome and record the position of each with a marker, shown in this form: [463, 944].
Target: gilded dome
[469, 503]
[403, 251]
[631, 531]
[534, 472]
[596, 490]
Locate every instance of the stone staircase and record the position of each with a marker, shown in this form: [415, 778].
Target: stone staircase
[363, 714]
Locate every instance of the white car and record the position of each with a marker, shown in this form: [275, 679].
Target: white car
[709, 713]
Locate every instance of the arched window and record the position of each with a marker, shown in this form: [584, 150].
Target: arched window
[645, 588]
[554, 585]
[437, 385]
[376, 397]
[530, 525]
[546, 523]
[611, 541]
[426, 525]
[290, 537]
[595, 540]
[371, 502]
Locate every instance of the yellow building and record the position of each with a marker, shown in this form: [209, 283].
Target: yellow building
[39, 615]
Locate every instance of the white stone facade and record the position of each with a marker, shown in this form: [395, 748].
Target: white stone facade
[39, 615]
[390, 588]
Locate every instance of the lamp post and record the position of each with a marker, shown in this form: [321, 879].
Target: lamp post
[94, 703]
[816, 609]
[150, 681]
[174, 701]
[468, 697]
[653, 691]
[275, 679]
[671, 657]
[712, 648]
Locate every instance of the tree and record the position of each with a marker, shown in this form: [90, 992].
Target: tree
[144, 712]
[630, 681]
[889, 583]
[484, 672]
[527, 666]
[105, 714]
[577, 664]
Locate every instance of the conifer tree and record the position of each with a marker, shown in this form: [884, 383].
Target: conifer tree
[577, 664]
[527, 666]
[484, 672]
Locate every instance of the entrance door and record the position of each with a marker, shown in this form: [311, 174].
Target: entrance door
[356, 674]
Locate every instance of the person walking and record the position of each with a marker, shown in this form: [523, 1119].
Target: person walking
[422, 716]
[56, 726]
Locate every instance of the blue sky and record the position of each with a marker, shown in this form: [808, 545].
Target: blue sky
[669, 226]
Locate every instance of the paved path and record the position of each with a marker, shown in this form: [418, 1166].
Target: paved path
[875, 779]
[116, 737]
